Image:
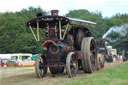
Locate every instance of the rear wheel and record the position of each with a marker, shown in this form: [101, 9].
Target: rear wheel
[89, 60]
[40, 68]
[71, 64]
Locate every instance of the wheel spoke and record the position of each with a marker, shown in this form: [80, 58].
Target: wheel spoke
[39, 67]
[89, 54]
[93, 56]
[71, 65]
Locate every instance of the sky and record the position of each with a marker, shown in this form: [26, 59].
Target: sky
[108, 8]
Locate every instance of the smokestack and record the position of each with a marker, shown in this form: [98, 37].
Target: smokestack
[54, 12]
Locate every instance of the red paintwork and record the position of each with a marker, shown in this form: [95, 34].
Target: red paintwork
[45, 44]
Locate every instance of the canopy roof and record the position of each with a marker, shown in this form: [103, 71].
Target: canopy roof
[43, 20]
[103, 40]
[81, 23]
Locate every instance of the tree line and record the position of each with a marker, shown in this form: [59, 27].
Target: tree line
[15, 37]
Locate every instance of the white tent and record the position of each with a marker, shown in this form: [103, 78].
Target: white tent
[5, 56]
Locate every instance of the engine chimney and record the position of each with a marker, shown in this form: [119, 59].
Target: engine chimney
[54, 12]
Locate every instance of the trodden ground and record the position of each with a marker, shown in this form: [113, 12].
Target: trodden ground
[26, 76]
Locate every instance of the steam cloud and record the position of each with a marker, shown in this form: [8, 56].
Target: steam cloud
[122, 30]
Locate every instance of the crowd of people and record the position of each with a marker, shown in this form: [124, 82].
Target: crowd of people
[115, 58]
[3, 62]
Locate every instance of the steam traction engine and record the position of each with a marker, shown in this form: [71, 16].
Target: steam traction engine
[102, 53]
[68, 45]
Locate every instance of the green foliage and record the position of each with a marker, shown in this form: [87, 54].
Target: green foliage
[121, 43]
[119, 19]
[113, 35]
[103, 25]
[15, 37]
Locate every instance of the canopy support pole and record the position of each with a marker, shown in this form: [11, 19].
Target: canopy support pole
[33, 32]
[38, 35]
[60, 30]
[65, 31]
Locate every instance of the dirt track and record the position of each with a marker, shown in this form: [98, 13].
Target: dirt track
[26, 76]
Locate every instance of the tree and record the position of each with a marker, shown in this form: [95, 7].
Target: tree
[91, 16]
[15, 37]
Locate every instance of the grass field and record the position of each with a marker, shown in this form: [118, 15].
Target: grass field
[112, 74]
[117, 75]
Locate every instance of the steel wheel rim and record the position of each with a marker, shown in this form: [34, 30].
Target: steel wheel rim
[71, 64]
[42, 70]
[93, 55]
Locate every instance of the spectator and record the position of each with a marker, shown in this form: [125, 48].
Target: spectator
[16, 62]
[121, 57]
[110, 57]
[5, 62]
[0, 62]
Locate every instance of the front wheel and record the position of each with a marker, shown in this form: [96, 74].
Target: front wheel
[40, 68]
[71, 64]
